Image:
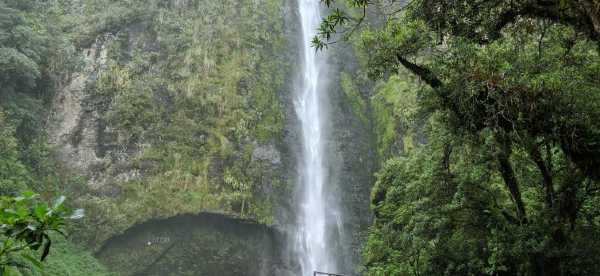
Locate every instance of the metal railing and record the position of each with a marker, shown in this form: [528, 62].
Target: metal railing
[317, 273]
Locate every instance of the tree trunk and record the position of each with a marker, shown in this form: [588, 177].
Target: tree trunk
[508, 175]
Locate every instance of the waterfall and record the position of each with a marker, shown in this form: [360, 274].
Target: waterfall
[312, 243]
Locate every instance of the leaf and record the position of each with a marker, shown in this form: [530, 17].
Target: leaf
[22, 212]
[25, 195]
[31, 227]
[28, 194]
[58, 202]
[39, 211]
[10, 211]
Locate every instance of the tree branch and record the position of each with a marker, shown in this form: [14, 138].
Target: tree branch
[508, 175]
[546, 174]
[425, 74]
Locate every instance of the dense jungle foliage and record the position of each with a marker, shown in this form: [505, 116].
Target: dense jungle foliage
[499, 174]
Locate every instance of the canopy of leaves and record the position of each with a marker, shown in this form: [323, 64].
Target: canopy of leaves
[516, 89]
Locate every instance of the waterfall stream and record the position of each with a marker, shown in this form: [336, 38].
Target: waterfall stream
[313, 245]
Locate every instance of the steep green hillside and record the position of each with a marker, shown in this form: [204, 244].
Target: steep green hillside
[176, 109]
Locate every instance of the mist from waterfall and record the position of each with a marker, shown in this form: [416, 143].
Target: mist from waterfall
[315, 211]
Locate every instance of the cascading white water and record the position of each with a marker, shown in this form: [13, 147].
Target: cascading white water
[311, 233]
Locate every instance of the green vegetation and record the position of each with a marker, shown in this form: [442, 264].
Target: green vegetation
[504, 179]
[69, 259]
[194, 88]
[13, 174]
[35, 53]
[357, 103]
[27, 47]
[394, 114]
[190, 89]
[486, 116]
[26, 228]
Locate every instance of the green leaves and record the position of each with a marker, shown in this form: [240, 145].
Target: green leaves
[318, 43]
[34, 261]
[25, 223]
[23, 47]
[336, 20]
[517, 96]
[15, 65]
[328, 3]
[327, 28]
[13, 174]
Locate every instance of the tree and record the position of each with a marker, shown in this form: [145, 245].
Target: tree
[522, 74]
[22, 47]
[14, 176]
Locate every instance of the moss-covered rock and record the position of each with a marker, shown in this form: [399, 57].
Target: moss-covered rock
[204, 244]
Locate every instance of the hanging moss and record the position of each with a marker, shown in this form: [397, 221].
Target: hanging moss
[353, 96]
[394, 111]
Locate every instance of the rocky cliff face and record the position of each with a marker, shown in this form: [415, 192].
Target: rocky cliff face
[352, 159]
[78, 130]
